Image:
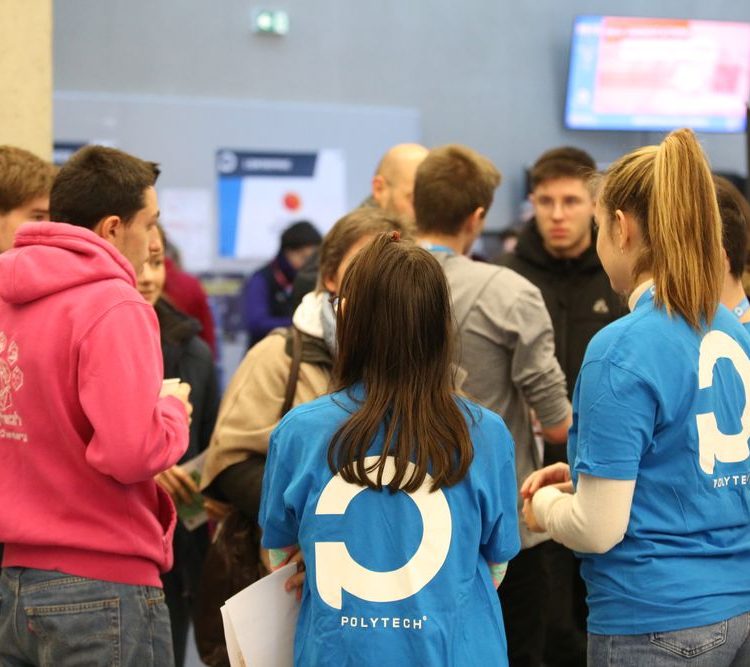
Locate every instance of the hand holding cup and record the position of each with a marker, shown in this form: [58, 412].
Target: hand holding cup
[180, 390]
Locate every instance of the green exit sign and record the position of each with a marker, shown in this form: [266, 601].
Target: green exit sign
[271, 21]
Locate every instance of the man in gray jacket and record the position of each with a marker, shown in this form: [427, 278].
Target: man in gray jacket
[506, 347]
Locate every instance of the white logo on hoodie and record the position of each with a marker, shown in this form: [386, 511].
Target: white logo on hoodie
[11, 376]
[601, 307]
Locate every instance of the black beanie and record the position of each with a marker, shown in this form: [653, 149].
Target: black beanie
[299, 235]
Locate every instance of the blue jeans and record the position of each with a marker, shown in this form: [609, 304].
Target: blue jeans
[53, 619]
[723, 644]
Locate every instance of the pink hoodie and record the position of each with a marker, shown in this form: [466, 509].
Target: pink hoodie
[82, 430]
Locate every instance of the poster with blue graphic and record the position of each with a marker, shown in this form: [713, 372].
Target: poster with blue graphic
[261, 193]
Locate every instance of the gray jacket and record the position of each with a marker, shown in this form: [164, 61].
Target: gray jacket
[507, 348]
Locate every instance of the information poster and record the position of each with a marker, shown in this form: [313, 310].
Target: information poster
[261, 193]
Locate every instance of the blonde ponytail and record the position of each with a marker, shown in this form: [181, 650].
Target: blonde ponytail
[685, 230]
[669, 190]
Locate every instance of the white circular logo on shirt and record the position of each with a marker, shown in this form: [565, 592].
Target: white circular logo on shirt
[337, 571]
[713, 445]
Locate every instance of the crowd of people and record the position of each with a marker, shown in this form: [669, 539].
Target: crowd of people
[537, 461]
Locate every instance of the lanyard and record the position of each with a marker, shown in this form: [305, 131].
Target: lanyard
[741, 308]
[436, 247]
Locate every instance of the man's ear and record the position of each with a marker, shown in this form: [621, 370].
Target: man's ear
[109, 228]
[379, 187]
[475, 222]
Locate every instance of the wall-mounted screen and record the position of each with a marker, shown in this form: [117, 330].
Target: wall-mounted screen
[658, 74]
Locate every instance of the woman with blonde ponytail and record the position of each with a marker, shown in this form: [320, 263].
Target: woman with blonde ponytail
[657, 496]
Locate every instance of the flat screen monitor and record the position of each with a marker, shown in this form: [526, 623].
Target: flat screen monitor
[658, 74]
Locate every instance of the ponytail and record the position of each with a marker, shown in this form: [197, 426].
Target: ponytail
[669, 190]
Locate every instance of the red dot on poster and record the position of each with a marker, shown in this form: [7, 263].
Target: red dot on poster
[292, 201]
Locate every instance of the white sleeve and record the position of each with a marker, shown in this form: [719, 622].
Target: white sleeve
[591, 520]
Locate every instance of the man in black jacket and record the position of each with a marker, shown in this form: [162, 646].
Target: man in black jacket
[556, 251]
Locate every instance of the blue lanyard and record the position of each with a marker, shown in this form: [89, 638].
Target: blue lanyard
[436, 247]
[741, 308]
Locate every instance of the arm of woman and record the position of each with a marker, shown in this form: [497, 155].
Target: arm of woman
[591, 520]
[250, 408]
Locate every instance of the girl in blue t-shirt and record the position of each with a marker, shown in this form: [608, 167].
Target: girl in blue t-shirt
[399, 494]
[657, 496]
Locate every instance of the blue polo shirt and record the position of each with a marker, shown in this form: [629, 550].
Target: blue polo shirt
[661, 404]
[392, 579]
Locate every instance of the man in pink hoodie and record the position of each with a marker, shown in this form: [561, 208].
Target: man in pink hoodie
[85, 425]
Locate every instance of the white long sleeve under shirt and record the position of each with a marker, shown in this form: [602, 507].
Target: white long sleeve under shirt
[591, 520]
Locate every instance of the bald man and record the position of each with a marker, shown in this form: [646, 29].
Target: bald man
[392, 190]
[393, 182]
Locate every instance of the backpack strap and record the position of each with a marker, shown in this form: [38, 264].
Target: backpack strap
[291, 385]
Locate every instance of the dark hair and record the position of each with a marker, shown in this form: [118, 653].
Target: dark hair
[452, 182]
[395, 335]
[23, 177]
[735, 219]
[562, 162]
[98, 182]
[351, 228]
[300, 234]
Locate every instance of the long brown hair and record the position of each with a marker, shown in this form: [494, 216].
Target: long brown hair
[395, 335]
[669, 191]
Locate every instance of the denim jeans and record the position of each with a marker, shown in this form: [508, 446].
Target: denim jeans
[53, 619]
[723, 644]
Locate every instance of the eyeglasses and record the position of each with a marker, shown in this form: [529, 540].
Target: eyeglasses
[334, 301]
[567, 204]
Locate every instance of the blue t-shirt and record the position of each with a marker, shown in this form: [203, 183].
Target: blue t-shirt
[661, 404]
[392, 579]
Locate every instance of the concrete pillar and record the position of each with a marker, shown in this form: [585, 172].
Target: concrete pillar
[26, 75]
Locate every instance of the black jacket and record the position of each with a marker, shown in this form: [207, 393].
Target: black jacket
[188, 357]
[576, 292]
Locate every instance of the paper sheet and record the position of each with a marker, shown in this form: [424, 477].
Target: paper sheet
[233, 648]
[260, 622]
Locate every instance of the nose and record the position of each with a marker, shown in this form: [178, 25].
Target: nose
[557, 210]
[145, 276]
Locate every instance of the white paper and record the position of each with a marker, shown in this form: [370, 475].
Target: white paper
[233, 647]
[187, 216]
[260, 622]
